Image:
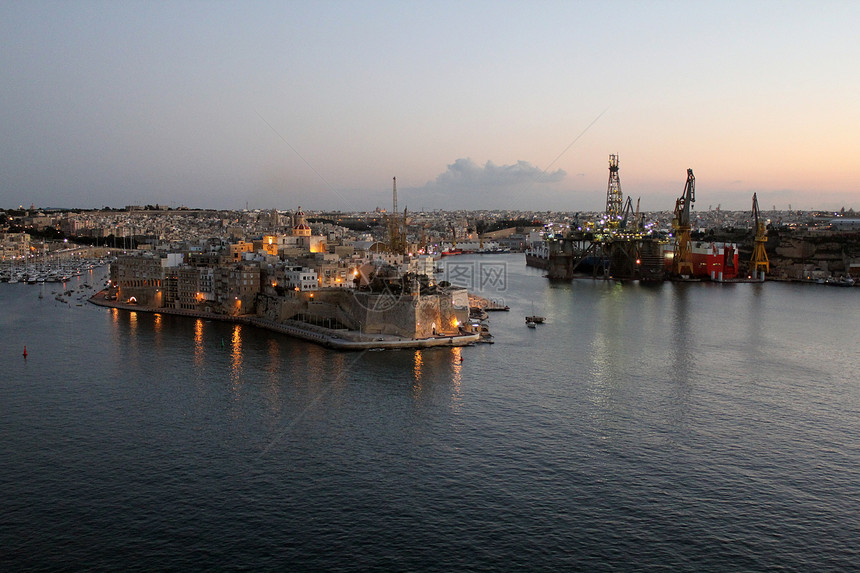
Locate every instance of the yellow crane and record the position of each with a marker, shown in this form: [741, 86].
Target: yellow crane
[758, 261]
[682, 263]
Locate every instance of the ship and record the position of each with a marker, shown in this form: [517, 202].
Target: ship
[537, 255]
[716, 261]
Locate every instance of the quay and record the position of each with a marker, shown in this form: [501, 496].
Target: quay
[337, 339]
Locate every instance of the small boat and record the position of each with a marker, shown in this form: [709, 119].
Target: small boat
[535, 318]
[531, 324]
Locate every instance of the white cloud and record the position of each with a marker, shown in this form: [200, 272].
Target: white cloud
[465, 174]
[467, 185]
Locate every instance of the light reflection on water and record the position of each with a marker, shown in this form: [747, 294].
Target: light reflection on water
[418, 362]
[157, 326]
[199, 349]
[456, 377]
[236, 360]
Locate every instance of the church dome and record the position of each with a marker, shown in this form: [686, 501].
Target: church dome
[300, 227]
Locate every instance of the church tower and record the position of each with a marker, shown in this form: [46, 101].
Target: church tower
[300, 226]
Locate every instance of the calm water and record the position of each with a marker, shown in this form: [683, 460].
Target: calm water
[691, 427]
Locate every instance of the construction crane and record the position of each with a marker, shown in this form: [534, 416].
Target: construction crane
[758, 261]
[682, 264]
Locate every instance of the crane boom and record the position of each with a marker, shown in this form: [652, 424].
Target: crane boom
[683, 261]
[758, 261]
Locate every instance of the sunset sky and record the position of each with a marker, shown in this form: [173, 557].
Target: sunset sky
[491, 105]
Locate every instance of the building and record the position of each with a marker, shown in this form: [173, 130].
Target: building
[236, 286]
[14, 246]
[139, 279]
[300, 278]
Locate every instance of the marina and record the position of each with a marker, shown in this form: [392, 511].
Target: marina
[48, 272]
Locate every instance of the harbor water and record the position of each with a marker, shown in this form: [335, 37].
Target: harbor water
[683, 427]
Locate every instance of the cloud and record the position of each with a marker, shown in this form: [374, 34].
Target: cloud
[467, 185]
[466, 174]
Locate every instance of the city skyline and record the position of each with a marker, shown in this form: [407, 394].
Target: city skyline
[481, 105]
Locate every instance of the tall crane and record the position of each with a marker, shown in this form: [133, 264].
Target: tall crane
[758, 261]
[682, 264]
[614, 197]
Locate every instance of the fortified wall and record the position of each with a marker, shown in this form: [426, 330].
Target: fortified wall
[405, 315]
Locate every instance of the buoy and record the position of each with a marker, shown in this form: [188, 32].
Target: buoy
[25, 352]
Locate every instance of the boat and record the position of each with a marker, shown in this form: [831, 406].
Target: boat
[531, 324]
[535, 318]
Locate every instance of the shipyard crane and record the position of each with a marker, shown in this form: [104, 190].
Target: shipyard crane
[682, 264]
[629, 217]
[480, 227]
[637, 217]
[758, 261]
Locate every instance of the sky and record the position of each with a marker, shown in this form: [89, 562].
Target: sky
[470, 105]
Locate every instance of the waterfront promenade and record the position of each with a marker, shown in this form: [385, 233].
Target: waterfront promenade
[338, 339]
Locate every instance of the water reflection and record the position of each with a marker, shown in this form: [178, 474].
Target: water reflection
[273, 369]
[132, 330]
[157, 327]
[273, 353]
[456, 378]
[417, 364]
[753, 326]
[681, 331]
[199, 353]
[236, 358]
[607, 347]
